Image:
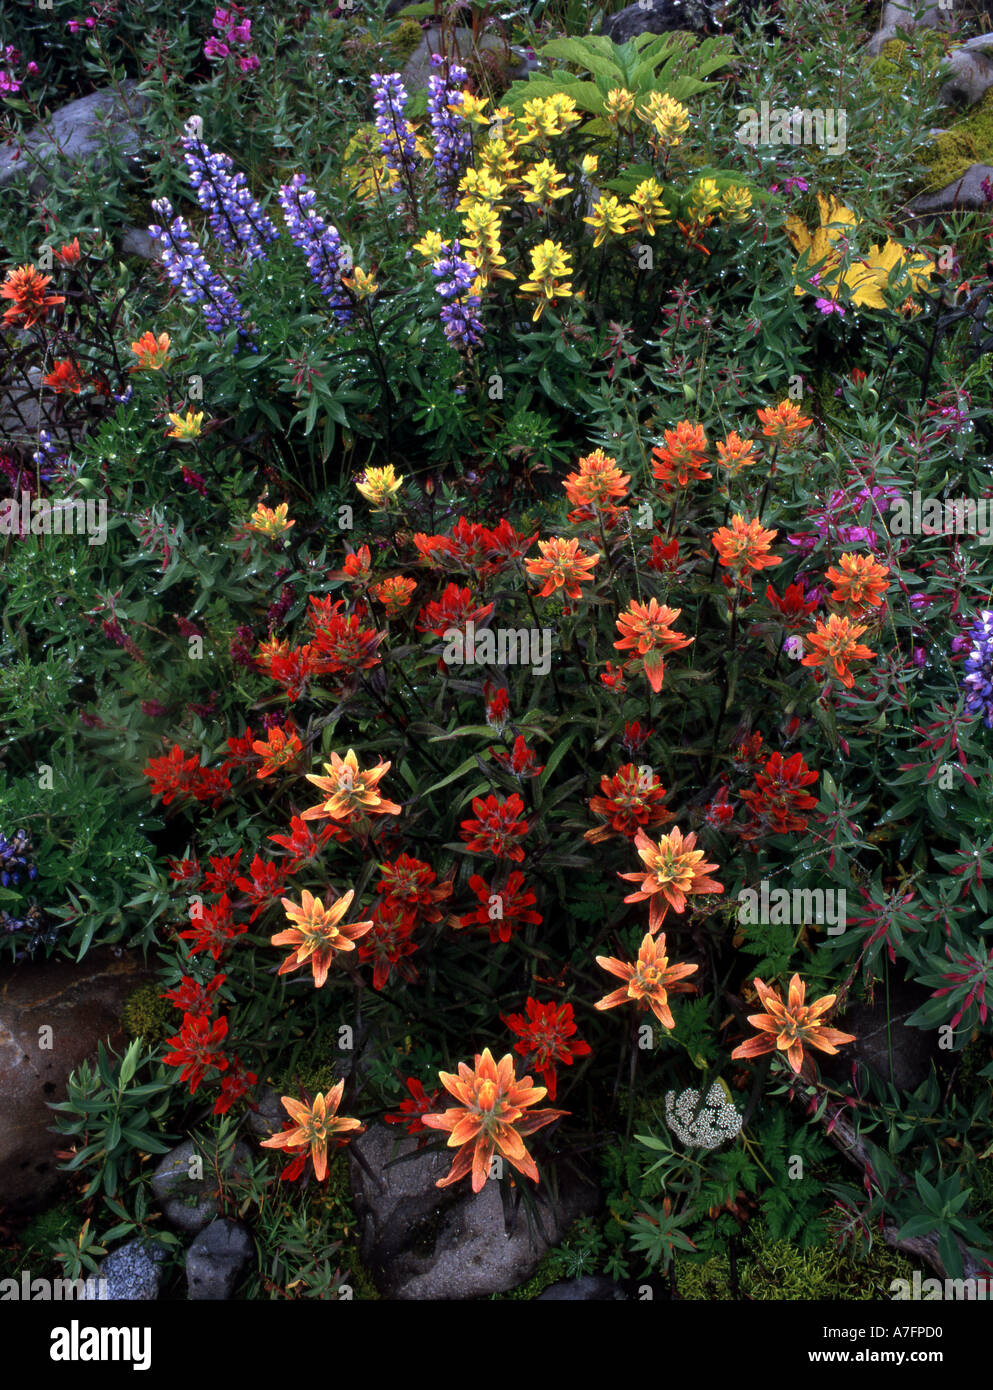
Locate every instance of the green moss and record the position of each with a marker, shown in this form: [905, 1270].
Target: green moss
[404, 42]
[549, 1272]
[968, 141]
[341, 1217]
[777, 1270]
[145, 1015]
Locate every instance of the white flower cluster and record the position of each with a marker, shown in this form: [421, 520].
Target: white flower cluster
[716, 1121]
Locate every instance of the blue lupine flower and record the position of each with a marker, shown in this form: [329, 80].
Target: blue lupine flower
[979, 669]
[462, 327]
[396, 140]
[320, 243]
[452, 141]
[188, 270]
[234, 216]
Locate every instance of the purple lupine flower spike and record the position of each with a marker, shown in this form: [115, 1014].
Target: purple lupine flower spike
[234, 216]
[395, 139]
[978, 679]
[327, 258]
[452, 141]
[462, 327]
[186, 267]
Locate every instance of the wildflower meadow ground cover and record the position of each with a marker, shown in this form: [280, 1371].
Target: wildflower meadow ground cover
[498, 616]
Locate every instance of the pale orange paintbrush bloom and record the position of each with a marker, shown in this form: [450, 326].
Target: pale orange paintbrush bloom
[649, 981]
[860, 582]
[315, 1125]
[318, 934]
[743, 548]
[562, 566]
[490, 1118]
[791, 1026]
[674, 869]
[351, 792]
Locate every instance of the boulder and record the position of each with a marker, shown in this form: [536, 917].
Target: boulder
[418, 69]
[74, 132]
[72, 1007]
[880, 1030]
[972, 72]
[190, 1203]
[964, 194]
[899, 16]
[658, 17]
[424, 1242]
[216, 1258]
[130, 1272]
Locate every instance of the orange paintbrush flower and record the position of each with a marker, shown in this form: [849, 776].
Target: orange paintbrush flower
[598, 483]
[490, 1118]
[784, 424]
[315, 1125]
[683, 457]
[860, 583]
[646, 628]
[835, 643]
[28, 291]
[791, 1026]
[152, 353]
[648, 982]
[351, 793]
[674, 868]
[281, 746]
[394, 593]
[64, 377]
[563, 566]
[735, 453]
[317, 935]
[743, 548]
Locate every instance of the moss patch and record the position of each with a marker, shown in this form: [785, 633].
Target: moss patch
[777, 1270]
[146, 1016]
[969, 141]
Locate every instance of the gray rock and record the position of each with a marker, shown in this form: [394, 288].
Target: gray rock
[189, 1204]
[75, 132]
[418, 69]
[657, 17]
[899, 16]
[588, 1288]
[880, 1029]
[424, 1242]
[972, 72]
[131, 1272]
[135, 241]
[81, 1004]
[269, 1117]
[216, 1258]
[965, 194]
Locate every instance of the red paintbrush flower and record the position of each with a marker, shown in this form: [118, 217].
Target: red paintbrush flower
[546, 1038]
[777, 797]
[193, 1049]
[496, 824]
[631, 800]
[503, 910]
[409, 1112]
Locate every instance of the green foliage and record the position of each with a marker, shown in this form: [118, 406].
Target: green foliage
[677, 64]
[116, 1117]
